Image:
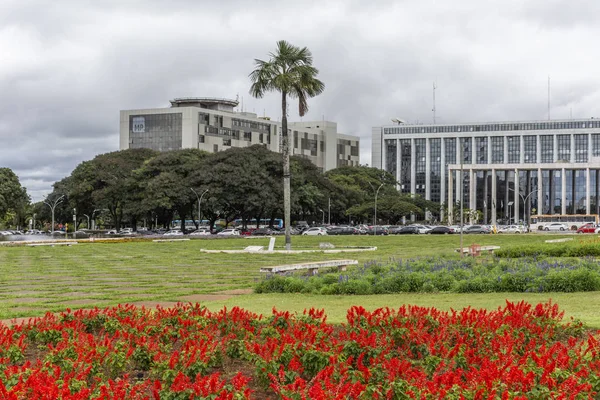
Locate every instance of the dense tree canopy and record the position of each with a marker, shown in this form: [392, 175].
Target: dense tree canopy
[14, 200]
[239, 183]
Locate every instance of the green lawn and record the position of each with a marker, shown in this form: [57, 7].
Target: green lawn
[39, 279]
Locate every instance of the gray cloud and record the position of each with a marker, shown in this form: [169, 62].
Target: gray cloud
[69, 66]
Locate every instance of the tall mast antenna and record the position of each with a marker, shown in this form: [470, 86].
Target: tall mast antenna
[433, 103]
[548, 97]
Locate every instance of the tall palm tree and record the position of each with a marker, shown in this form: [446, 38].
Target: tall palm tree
[290, 72]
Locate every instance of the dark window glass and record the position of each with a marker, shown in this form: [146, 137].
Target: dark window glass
[581, 148]
[497, 149]
[481, 146]
[391, 156]
[514, 149]
[547, 148]
[529, 149]
[564, 147]
[161, 132]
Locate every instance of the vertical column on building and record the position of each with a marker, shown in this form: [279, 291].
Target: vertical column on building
[572, 153]
[554, 148]
[473, 151]
[589, 157]
[443, 173]
[485, 197]
[563, 200]
[516, 197]
[427, 169]
[540, 203]
[521, 150]
[538, 149]
[398, 164]
[588, 205]
[450, 199]
[460, 186]
[493, 205]
[551, 190]
[413, 167]
[489, 149]
[505, 149]
[383, 149]
[472, 197]
[506, 193]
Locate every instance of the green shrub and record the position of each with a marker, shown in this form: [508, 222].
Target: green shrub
[526, 274]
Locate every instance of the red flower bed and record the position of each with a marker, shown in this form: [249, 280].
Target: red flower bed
[187, 352]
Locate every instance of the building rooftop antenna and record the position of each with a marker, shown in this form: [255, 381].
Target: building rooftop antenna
[433, 109]
[548, 97]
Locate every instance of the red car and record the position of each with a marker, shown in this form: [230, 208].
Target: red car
[587, 228]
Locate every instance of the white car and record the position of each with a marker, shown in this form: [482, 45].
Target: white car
[229, 232]
[556, 226]
[173, 232]
[316, 231]
[511, 229]
[422, 228]
[201, 232]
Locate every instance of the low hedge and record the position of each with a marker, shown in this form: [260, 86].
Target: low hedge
[589, 248]
[439, 275]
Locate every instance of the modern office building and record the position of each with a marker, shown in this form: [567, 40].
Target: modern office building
[213, 125]
[511, 170]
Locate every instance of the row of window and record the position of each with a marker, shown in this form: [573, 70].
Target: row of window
[528, 126]
[515, 145]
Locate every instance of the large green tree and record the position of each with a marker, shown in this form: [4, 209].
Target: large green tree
[242, 182]
[106, 182]
[13, 197]
[165, 182]
[290, 72]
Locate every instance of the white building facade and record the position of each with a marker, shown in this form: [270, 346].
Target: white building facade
[511, 170]
[213, 125]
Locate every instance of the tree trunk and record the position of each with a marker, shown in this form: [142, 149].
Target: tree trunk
[286, 173]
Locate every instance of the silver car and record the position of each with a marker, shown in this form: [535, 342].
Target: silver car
[556, 226]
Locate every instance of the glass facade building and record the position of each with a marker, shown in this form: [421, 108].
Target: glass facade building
[511, 170]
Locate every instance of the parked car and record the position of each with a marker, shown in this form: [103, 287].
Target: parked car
[556, 226]
[481, 229]
[229, 232]
[512, 229]
[588, 228]
[201, 232]
[315, 231]
[405, 230]
[440, 230]
[422, 228]
[263, 232]
[173, 232]
[377, 230]
[343, 230]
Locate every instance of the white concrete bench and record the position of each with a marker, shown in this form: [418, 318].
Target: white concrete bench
[558, 240]
[312, 267]
[51, 244]
[467, 249]
[170, 240]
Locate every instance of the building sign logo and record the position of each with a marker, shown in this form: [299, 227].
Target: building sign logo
[139, 124]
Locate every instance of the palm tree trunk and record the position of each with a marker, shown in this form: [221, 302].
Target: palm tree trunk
[286, 173]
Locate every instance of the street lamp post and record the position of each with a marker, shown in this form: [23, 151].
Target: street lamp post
[33, 222]
[524, 198]
[52, 206]
[510, 203]
[329, 212]
[375, 213]
[199, 204]
[94, 225]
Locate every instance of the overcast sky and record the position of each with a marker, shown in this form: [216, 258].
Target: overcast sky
[68, 66]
